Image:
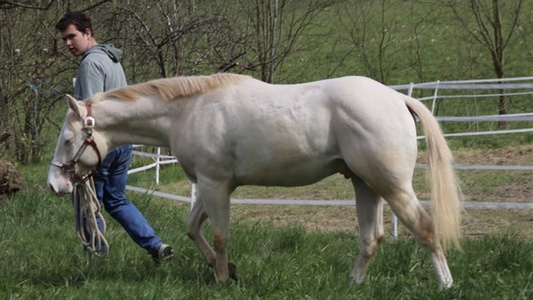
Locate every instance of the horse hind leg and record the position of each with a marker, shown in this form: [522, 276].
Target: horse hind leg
[411, 213]
[370, 217]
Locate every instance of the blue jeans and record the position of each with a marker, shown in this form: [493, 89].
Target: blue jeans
[110, 183]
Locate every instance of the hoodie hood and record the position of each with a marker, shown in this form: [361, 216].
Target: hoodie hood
[114, 54]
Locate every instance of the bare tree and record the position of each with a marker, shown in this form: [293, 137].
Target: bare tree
[422, 21]
[176, 38]
[371, 27]
[6, 4]
[277, 25]
[493, 24]
[26, 57]
[162, 38]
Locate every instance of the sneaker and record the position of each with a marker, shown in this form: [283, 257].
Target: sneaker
[162, 253]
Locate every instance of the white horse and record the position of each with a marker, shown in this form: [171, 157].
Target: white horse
[230, 130]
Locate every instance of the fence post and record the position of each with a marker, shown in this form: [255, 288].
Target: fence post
[193, 194]
[157, 165]
[394, 226]
[433, 104]
[410, 90]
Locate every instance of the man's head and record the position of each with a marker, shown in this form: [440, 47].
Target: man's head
[77, 32]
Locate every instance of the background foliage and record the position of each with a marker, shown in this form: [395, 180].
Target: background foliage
[282, 41]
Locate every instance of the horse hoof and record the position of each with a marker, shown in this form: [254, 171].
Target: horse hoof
[232, 269]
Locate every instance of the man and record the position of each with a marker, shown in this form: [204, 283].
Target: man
[100, 70]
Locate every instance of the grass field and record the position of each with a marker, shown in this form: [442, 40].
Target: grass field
[290, 252]
[282, 252]
[42, 259]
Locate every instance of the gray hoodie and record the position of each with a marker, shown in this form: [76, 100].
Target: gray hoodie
[100, 70]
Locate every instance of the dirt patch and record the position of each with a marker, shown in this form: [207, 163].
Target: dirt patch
[500, 186]
[518, 156]
[476, 222]
[514, 157]
[519, 193]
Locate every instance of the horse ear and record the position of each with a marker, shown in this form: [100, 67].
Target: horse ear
[73, 104]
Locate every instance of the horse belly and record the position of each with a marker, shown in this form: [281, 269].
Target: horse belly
[296, 173]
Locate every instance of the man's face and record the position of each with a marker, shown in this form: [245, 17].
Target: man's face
[77, 42]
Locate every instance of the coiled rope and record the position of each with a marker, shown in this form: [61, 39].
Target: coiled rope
[87, 210]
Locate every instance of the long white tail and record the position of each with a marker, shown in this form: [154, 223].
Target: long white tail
[446, 193]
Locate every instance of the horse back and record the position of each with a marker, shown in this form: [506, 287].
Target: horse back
[258, 133]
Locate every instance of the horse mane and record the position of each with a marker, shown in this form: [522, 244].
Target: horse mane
[174, 88]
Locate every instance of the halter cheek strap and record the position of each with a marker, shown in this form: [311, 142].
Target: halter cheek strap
[70, 167]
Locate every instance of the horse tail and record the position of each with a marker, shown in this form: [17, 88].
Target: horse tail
[446, 193]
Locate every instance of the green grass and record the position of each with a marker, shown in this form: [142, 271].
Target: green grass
[277, 256]
[446, 51]
[40, 258]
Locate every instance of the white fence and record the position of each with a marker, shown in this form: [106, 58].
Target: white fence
[466, 90]
[522, 86]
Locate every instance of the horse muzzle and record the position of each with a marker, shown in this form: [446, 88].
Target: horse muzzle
[60, 185]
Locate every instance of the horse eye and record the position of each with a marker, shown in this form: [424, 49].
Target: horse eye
[69, 140]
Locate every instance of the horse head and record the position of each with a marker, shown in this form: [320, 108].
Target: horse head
[80, 148]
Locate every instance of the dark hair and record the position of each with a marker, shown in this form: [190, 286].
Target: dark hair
[78, 19]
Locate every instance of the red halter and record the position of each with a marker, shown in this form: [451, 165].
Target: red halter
[70, 167]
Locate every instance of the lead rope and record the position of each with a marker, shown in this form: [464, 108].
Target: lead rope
[87, 209]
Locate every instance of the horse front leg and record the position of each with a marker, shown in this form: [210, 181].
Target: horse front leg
[194, 225]
[215, 197]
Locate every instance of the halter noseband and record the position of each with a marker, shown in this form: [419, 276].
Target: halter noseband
[70, 167]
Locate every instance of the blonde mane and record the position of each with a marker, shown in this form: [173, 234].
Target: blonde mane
[171, 89]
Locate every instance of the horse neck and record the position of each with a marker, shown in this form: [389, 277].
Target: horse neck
[144, 121]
